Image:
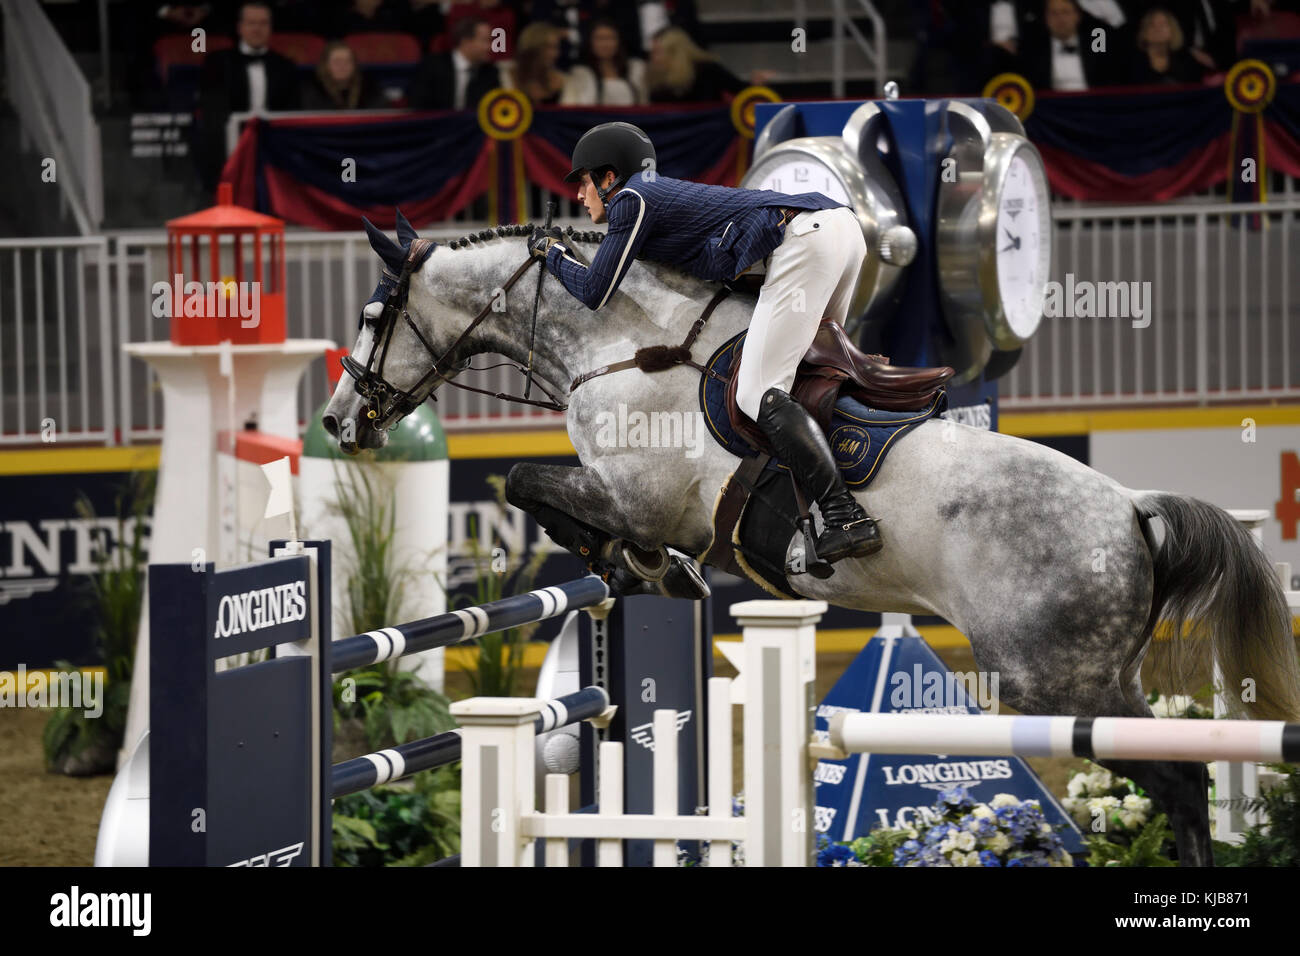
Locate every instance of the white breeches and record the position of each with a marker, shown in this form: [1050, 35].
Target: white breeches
[810, 275]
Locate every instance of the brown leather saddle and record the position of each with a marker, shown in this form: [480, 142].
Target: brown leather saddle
[834, 365]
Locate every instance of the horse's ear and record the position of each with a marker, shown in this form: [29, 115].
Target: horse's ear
[386, 249]
[405, 232]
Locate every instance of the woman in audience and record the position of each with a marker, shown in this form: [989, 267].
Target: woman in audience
[1162, 57]
[606, 76]
[338, 84]
[535, 73]
[680, 72]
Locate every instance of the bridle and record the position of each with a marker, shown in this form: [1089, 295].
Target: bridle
[386, 403]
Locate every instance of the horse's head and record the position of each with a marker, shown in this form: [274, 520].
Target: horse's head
[392, 369]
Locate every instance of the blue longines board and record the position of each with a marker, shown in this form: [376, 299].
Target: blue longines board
[897, 675]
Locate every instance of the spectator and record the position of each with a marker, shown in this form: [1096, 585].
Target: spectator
[368, 16]
[606, 76]
[338, 84]
[495, 14]
[534, 71]
[1061, 53]
[680, 72]
[459, 79]
[1209, 28]
[247, 79]
[1163, 58]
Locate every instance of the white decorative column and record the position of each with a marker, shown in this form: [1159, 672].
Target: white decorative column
[196, 406]
[780, 655]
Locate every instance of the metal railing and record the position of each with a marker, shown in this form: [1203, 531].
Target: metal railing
[1221, 309]
[53, 103]
[1219, 327]
[876, 49]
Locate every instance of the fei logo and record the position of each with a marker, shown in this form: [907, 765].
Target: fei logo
[644, 734]
[281, 857]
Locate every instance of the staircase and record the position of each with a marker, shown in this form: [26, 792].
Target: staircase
[758, 34]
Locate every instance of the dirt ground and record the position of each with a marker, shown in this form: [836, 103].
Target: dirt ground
[52, 820]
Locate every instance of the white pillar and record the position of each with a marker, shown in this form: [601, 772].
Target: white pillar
[780, 657]
[497, 779]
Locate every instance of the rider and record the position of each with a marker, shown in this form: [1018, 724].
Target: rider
[813, 247]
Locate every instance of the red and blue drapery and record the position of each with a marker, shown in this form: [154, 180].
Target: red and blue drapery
[1131, 145]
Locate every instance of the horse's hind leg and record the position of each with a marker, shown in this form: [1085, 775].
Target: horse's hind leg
[1180, 789]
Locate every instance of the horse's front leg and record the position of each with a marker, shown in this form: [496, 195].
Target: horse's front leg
[578, 511]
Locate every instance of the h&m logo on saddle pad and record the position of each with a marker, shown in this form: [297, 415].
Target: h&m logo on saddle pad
[859, 437]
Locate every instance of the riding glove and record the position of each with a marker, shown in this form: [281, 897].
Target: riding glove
[539, 244]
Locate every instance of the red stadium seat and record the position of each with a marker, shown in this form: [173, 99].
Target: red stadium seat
[176, 50]
[376, 48]
[1279, 25]
[303, 49]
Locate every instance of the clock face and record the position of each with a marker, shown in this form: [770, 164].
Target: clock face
[799, 174]
[1022, 248]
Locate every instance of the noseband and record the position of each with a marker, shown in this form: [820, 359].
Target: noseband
[386, 403]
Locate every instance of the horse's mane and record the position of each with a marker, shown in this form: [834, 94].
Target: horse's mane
[473, 238]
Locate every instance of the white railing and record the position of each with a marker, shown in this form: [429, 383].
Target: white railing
[53, 103]
[875, 49]
[56, 341]
[1220, 325]
[1222, 309]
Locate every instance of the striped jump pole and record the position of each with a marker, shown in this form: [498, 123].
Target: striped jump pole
[385, 766]
[453, 627]
[1104, 738]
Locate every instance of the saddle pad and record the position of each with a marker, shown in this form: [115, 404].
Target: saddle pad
[860, 437]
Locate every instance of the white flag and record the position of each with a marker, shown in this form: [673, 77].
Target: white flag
[280, 501]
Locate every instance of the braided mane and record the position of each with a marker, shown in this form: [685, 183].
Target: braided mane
[464, 242]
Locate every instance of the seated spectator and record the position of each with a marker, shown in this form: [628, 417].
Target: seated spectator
[1163, 57]
[1060, 54]
[606, 76]
[680, 72]
[368, 16]
[496, 15]
[534, 71]
[338, 84]
[459, 79]
[1209, 28]
[248, 78]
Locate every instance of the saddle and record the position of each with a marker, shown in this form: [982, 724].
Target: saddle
[833, 365]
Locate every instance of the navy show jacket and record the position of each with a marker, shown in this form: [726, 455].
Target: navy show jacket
[713, 232]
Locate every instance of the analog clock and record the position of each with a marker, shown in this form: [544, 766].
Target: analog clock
[848, 169]
[994, 237]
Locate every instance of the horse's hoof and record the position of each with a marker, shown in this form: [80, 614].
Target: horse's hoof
[647, 565]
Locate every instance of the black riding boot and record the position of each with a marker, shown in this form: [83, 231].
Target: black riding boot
[847, 530]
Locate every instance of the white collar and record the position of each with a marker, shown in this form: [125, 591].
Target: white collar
[247, 50]
[459, 61]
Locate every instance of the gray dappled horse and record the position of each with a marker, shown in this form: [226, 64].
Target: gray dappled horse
[1054, 572]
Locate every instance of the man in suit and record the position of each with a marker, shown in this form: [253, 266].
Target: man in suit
[248, 78]
[459, 79]
[1060, 53]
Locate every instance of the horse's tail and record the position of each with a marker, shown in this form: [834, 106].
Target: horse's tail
[1212, 578]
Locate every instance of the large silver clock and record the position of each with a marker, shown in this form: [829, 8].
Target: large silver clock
[994, 237]
[847, 169]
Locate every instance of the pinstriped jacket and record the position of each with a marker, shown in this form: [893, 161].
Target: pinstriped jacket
[713, 232]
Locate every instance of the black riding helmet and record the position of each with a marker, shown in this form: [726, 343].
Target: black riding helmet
[622, 146]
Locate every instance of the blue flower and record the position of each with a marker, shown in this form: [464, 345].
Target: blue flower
[989, 858]
[837, 855]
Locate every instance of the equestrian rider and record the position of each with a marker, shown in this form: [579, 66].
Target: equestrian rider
[813, 248]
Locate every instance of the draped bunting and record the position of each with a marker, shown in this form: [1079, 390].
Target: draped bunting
[1134, 145]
